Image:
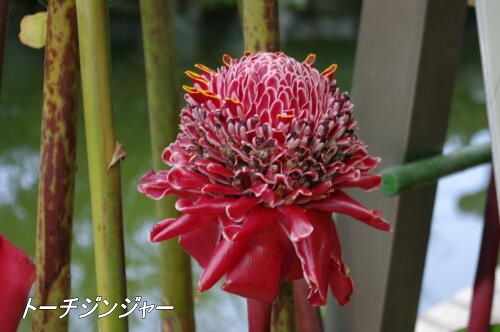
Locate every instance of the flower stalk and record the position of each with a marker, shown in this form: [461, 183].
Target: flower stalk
[104, 155]
[399, 179]
[4, 16]
[260, 25]
[482, 299]
[57, 167]
[161, 78]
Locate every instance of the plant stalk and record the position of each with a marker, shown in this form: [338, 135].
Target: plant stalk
[161, 77]
[4, 16]
[104, 155]
[482, 299]
[260, 25]
[57, 167]
[307, 317]
[259, 316]
[419, 173]
[283, 310]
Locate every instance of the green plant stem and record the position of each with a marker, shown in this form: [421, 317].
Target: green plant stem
[4, 16]
[397, 180]
[260, 25]
[103, 154]
[283, 310]
[162, 88]
[57, 167]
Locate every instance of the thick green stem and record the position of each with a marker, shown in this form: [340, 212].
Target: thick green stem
[4, 15]
[104, 155]
[283, 310]
[260, 25]
[57, 167]
[161, 78]
[419, 173]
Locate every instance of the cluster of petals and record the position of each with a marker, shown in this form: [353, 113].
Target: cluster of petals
[267, 147]
[17, 274]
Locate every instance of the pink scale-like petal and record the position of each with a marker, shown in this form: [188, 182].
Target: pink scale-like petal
[366, 182]
[339, 202]
[184, 179]
[219, 169]
[205, 205]
[257, 220]
[341, 284]
[236, 211]
[154, 190]
[224, 257]
[172, 227]
[201, 243]
[300, 225]
[257, 273]
[313, 253]
[220, 189]
[17, 273]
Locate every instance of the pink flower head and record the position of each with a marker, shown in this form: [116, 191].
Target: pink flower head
[17, 273]
[267, 145]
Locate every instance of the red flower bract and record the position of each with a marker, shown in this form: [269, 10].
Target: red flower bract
[17, 273]
[267, 145]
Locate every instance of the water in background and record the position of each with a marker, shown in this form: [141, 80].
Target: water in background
[456, 224]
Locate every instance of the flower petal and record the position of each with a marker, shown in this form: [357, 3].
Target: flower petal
[339, 202]
[201, 243]
[17, 273]
[172, 227]
[224, 257]
[258, 273]
[257, 219]
[183, 179]
[237, 210]
[313, 254]
[300, 225]
[204, 205]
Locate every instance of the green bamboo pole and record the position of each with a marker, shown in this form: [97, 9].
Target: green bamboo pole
[103, 154]
[57, 167]
[4, 15]
[260, 25]
[397, 180]
[162, 88]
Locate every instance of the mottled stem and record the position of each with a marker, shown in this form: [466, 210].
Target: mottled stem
[260, 25]
[57, 167]
[283, 319]
[419, 173]
[162, 88]
[307, 317]
[482, 299]
[4, 16]
[104, 155]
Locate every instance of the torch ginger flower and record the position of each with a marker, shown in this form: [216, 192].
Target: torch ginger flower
[266, 148]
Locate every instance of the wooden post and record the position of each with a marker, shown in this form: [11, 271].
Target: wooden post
[488, 27]
[405, 67]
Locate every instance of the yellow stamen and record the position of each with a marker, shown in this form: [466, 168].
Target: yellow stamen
[196, 77]
[328, 72]
[310, 59]
[227, 60]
